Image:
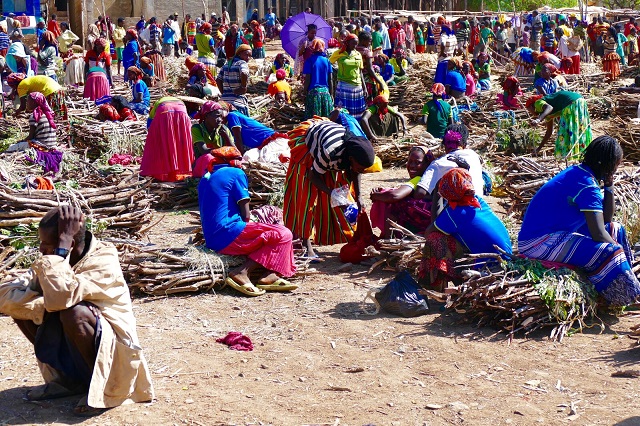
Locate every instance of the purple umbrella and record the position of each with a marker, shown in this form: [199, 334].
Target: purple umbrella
[295, 29]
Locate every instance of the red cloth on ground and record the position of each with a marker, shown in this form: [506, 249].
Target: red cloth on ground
[236, 341]
[363, 237]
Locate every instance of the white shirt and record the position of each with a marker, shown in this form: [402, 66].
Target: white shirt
[439, 167]
[386, 42]
[554, 60]
[176, 27]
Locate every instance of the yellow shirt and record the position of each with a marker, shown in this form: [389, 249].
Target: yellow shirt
[65, 40]
[38, 83]
[120, 374]
[118, 36]
[349, 66]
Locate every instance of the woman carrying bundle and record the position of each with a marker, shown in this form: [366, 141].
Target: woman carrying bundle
[224, 211]
[351, 91]
[168, 149]
[574, 124]
[581, 231]
[466, 225]
[324, 156]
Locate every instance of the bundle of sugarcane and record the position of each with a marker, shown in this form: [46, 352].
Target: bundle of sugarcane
[176, 72]
[520, 295]
[522, 177]
[266, 182]
[257, 87]
[175, 195]
[105, 138]
[123, 208]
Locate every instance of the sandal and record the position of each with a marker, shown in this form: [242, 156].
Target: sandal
[279, 285]
[249, 289]
[53, 390]
[82, 409]
[311, 259]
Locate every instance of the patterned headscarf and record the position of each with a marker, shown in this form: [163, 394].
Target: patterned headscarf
[205, 109]
[317, 45]
[49, 38]
[350, 36]
[225, 156]
[401, 52]
[452, 140]
[137, 71]
[109, 112]
[510, 85]
[532, 100]
[42, 108]
[482, 57]
[15, 79]
[552, 69]
[102, 42]
[456, 186]
[438, 89]
[132, 33]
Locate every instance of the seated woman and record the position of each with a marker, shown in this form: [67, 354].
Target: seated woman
[199, 74]
[324, 157]
[148, 76]
[400, 66]
[141, 97]
[467, 225]
[51, 90]
[280, 89]
[580, 231]
[279, 63]
[224, 211]
[108, 112]
[574, 124]
[42, 127]
[455, 82]
[470, 77]
[483, 68]
[436, 113]
[97, 71]
[249, 133]
[125, 112]
[398, 204]
[382, 120]
[208, 134]
[509, 98]
[168, 149]
[546, 84]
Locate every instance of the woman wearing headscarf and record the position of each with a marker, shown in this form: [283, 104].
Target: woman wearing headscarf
[47, 55]
[304, 49]
[208, 134]
[455, 82]
[148, 74]
[97, 71]
[42, 127]
[351, 91]
[318, 82]
[509, 97]
[398, 204]
[158, 62]
[574, 123]
[546, 84]
[257, 40]
[281, 62]
[436, 113]
[121, 104]
[611, 59]
[382, 120]
[471, 78]
[232, 41]
[53, 92]
[234, 77]
[466, 225]
[19, 61]
[483, 68]
[227, 228]
[206, 48]
[141, 97]
[570, 221]
[168, 150]
[93, 34]
[324, 156]
[131, 51]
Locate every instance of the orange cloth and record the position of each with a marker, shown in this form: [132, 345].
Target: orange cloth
[44, 183]
[280, 86]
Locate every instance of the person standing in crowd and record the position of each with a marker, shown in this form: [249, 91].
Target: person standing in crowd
[206, 48]
[47, 56]
[168, 37]
[53, 26]
[351, 90]
[304, 50]
[234, 78]
[270, 22]
[318, 82]
[536, 31]
[131, 52]
[419, 37]
[611, 58]
[232, 40]
[225, 16]
[155, 34]
[257, 40]
[386, 41]
[141, 24]
[119, 34]
[66, 40]
[410, 34]
[177, 36]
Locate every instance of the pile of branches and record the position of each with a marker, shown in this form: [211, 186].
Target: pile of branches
[105, 138]
[155, 271]
[627, 132]
[521, 296]
[394, 151]
[175, 195]
[627, 105]
[122, 208]
[402, 252]
[266, 182]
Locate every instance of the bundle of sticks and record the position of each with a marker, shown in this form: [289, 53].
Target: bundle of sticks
[99, 138]
[266, 182]
[626, 131]
[175, 195]
[122, 208]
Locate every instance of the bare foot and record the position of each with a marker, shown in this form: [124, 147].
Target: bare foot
[268, 278]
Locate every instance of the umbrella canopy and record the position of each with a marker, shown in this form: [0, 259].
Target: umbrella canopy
[295, 29]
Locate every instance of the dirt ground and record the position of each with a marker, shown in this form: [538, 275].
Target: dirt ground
[321, 359]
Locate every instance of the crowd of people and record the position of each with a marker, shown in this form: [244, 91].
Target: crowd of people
[74, 304]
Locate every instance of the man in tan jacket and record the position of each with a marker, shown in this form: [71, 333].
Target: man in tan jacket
[74, 306]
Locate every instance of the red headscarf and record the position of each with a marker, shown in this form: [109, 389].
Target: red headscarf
[551, 68]
[532, 100]
[379, 101]
[350, 36]
[511, 85]
[438, 89]
[456, 186]
[132, 33]
[317, 45]
[227, 155]
[137, 71]
[206, 28]
[206, 108]
[281, 74]
[15, 79]
[109, 112]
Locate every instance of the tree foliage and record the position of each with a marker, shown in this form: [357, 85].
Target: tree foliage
[521, 5]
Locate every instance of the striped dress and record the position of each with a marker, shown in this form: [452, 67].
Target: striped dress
[318, 145]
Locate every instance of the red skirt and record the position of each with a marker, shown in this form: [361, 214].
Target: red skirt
[96, 86]
[420, 48]
[269, 245]
[611, 65]
[168, 150]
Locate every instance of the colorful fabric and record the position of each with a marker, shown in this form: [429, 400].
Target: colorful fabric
[574, 130]
[42, 108]
[349, 66]
[608, 266]
[440, 166]
[438, 114]
[96, 86]
[226, 155]
[437, 266]
[58, 104]
[350, 97]
[38, 83]
[318, 102]
[456, 186]
[253, 132]
[319, 69]
[109, 112]
[611, 65]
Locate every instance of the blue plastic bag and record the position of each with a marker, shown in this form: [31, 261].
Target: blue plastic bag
[400, 297]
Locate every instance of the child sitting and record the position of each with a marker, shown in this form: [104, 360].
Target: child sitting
[436, 112]
[280, 89]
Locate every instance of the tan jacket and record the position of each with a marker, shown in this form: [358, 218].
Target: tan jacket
[120, 374]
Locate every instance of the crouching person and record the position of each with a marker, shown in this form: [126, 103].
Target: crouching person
[74, 307]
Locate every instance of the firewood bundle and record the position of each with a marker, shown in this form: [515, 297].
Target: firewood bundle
[627, 104]
[105, 138]
[175, 195]
[266, 182]
[122, 208]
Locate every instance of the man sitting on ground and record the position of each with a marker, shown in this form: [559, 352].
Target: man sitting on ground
[74, 307]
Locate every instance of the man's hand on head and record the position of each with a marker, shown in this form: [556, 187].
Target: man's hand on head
[69, 224]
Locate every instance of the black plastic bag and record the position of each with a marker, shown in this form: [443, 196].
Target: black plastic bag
[400, 297]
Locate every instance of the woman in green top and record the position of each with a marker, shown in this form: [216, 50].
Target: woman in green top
[382, 120]
[420, 43]
[351, 91]
[574, 124]
[436, 112]
[208, 134]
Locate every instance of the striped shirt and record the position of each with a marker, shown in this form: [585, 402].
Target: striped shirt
[44, 135]
[230, 75]
[325, 142]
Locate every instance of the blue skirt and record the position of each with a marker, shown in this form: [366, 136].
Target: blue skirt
[350, 97]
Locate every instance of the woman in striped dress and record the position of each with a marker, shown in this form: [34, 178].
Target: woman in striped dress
[324, 156]
[351, 91]
[611, 59]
